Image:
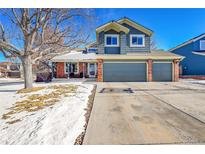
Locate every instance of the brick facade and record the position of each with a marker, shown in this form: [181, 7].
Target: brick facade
[100, 70]
[81, 69]
[149, 71]
[176, 70]
[60, 70]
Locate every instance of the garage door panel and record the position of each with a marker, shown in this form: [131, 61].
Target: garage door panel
[162, 72]
[124, 72]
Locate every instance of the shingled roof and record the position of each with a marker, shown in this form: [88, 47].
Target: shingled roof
[187, 42]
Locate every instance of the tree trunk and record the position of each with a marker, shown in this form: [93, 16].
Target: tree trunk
[28, 74]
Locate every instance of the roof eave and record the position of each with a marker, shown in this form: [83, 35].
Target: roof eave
[136, 25]
[140, 57]
[199, 53]
[187, 42]
[111, 25]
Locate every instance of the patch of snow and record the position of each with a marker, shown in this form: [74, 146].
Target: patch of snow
[10, 80]
[194, 81]
[59, 124]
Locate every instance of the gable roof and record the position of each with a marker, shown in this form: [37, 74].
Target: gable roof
[187, 42]
[135, 25]
[112, 25]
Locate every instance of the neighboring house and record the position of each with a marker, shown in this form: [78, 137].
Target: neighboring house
[9, 69]
[193, 50]
[121, 53]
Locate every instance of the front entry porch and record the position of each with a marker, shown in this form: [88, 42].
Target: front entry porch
[75, 70]
[75, 64]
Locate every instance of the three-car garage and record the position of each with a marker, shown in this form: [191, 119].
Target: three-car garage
[137, 71]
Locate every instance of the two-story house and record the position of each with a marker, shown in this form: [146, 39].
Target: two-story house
[121, 53]
[193, 65]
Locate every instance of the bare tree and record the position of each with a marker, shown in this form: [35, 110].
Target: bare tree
[35, 35]
[153, 44]
[43, 71]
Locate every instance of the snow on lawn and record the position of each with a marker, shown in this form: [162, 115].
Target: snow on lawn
[57, 123]
[194, 81]
[3, 80]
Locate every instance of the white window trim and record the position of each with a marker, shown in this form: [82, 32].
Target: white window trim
[95, 67]
[92, 48]
[65, 68]
[69, 64]
[110, 35]
[202, 41]
[137, 45]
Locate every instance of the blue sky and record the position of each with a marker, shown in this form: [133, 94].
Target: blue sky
[171, 26]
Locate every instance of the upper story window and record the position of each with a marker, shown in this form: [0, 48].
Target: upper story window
[111, 40]
[92, 50]
[137, 40]
[202, 45]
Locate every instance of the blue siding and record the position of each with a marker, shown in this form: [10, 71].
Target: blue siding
[124, 42]
[136, 31]
[196, 45]
[112, 50]
[192, 64]
[108, 50]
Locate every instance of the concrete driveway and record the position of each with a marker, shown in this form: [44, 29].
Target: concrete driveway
[147, 113]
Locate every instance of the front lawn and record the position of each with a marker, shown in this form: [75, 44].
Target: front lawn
[51, 113]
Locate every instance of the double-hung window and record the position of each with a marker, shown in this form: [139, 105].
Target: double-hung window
[202, 45]
[137, 40]
[111, 40]
[92, 50]
[71, 68]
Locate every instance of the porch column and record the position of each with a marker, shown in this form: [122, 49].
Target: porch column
[149, 71]
[176, 70]
[100, 70]
[68, 75]
[83, 70]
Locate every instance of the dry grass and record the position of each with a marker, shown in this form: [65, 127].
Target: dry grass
[7, 115]
[29, 90]
[13, 121]
[37, 102]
